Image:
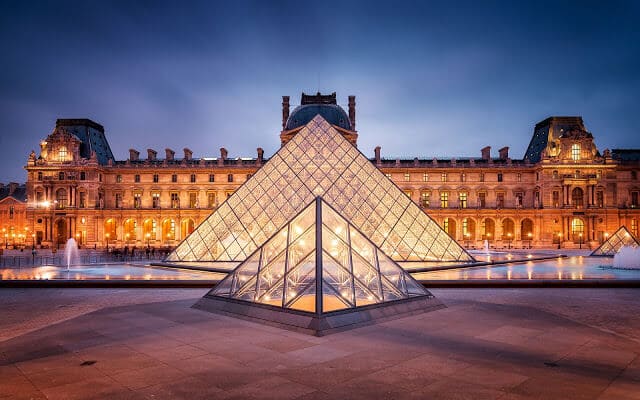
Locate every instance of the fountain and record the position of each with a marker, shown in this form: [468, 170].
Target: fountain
[71, 255]
[485, 247]
[627, 257]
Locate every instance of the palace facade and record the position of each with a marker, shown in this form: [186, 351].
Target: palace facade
[565, 191]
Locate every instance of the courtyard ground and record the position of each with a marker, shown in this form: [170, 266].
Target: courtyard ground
[487, 344]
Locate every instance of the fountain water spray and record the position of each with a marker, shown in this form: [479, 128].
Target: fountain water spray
[627, 257]
[71, 255]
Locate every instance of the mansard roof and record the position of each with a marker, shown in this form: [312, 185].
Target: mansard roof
[92, 137]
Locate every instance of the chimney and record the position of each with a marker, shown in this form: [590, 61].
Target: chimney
[285, 111]
[486, 153]
[151, 154]
[188, 154]
[377, 152]
[260, 155]
[352, 112]
[170, 154]
[223, 156]
[134, 155]
[504, 153]
[12, 187]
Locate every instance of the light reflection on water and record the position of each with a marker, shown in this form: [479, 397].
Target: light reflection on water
[571, 268]
[105, 272]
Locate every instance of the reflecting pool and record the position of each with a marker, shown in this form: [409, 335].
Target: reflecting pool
[105, 272]
[571, 268]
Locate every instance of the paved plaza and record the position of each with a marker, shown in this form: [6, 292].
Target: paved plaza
[487, 344]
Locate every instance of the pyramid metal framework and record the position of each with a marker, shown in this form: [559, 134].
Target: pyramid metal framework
[345, 268]
[319, 161]
[320, 274]
[622, 237]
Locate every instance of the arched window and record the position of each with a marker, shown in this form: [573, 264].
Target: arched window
[129, 228]
[508, 229]
[469, 229]
[149, 230]
[575, 152]
[110, 229]
[168, 230]
[488, 229]
[577, 230]
[526, 229]
[449, 225]
[187, 227]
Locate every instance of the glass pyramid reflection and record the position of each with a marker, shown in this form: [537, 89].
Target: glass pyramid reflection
[319, 161]
[622, 237]
[318, 263]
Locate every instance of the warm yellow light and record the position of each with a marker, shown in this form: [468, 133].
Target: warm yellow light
[46, 203]
[529, 234]
[107, 235]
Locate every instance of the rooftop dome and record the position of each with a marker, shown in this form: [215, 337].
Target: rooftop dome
[334, 114]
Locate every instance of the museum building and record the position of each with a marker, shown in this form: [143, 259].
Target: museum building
[563, 192]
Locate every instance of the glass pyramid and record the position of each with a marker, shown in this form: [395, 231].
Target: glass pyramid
[319, 161]
[622, 237]
[318, 263]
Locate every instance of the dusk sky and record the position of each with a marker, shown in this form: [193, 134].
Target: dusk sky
[430, 78]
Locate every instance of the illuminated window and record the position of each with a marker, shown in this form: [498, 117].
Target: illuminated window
[444, 199]
[155, 197]
[443, 177]
[407, 177]
[575, 152]
[425, 199]
[193, 200]
[388, 176]
[425, 177]
[634, 227]
[577, 230]
[445, 224]
[463, 177]
[463, 199]
[408, 193]
[137, 200]
[62, 154]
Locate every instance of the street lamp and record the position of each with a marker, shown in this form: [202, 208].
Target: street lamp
[148, 235]
[509, 239]
[106, 235]
[126, 239]
[580, 238]
[78, 238]
[529, 235]
[559, 239]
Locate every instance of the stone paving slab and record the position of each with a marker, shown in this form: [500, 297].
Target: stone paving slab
[487, 344]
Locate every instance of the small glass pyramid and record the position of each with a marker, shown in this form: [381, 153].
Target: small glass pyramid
[622, 237]
[318, 263]
[318, 161]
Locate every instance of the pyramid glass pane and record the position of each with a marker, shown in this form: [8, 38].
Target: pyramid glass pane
[355, 272]
[622, 237]
[318, 161]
